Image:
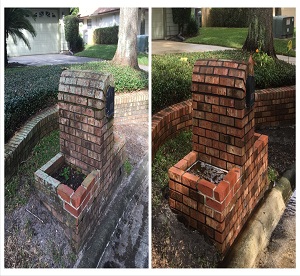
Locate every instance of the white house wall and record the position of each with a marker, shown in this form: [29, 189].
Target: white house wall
[103, 21]
[50, 36]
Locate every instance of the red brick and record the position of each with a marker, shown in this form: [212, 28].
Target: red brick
[175, 174]
[190, 180]
[199, 131]
[212, 134]
[227, 81]
[218, 90]
[172, 203]
[215, 224]
[220, 237]
[185, 209]
[212, 99]
[239, 83]
[65, 192]
[232, 176]
[221, 191]
[75, 212]
[197, 215]
[78, 197]
[197, 78]
[218, 206]
[182, 189]
[191, 158]
[171, 184]
[220, 71]
[227, 120]
[89, 181]
[85, 202]
[206, 187]
[229, 198]
[206, 70]
[176, 196]
[212, 79]
[189, 202]
[182, 164]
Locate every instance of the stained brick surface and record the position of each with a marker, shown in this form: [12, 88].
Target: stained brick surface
[87, 142]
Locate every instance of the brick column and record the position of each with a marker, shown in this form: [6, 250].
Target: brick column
[223, 129]
[223, 136]
[86, 135]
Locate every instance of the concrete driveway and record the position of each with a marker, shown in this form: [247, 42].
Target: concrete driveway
[54, 59]
[161, 47]
[50, 59]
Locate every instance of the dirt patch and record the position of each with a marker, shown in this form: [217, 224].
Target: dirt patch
[35, 239]
[175, 245]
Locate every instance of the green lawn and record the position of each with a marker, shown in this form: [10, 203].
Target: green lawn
[107, 52]
[234, 38]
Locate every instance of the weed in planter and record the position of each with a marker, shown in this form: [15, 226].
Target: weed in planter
[69, 176]
[65, 173]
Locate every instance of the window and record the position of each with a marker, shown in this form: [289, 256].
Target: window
[89, 23]
[41, 14]
[47, 14]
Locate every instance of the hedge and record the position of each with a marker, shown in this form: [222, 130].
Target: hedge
[24, 97]
[107, 35]
[172, 74]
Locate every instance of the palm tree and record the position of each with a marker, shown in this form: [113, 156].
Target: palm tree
[17, 21]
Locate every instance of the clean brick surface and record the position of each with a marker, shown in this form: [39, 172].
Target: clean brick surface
[223, 136]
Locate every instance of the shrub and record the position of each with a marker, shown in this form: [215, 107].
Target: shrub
[192, 28]
[172, 74]
[79, 44]
[229, 17]
[72, 31]
[107, 35]
[26, 92]
[181, 16]
[125, 78]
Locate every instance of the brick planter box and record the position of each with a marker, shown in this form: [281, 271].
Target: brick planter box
[87, 143]
[224, 137]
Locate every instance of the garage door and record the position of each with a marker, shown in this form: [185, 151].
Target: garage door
[157, 23]
[47, 35]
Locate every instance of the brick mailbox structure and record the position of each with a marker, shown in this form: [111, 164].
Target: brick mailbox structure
[223, 137]
[87, 143]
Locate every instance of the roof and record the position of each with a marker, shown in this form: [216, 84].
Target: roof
[100, 11]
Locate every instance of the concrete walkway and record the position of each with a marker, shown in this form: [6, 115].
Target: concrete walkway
[161, 47]
[121, 237]
[50, 59]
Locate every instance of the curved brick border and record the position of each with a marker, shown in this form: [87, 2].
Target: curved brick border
[170, 121]
[129, 108]
[21, 144]
[273, 107]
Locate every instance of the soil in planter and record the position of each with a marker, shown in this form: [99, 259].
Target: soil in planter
[208, 172]
[69, 176]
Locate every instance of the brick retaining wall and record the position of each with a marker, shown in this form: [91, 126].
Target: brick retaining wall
[20, 146]
[273, 107]
[131, 107]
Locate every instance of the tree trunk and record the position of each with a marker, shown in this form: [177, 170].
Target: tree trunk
[126, 53]
[260, 32]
